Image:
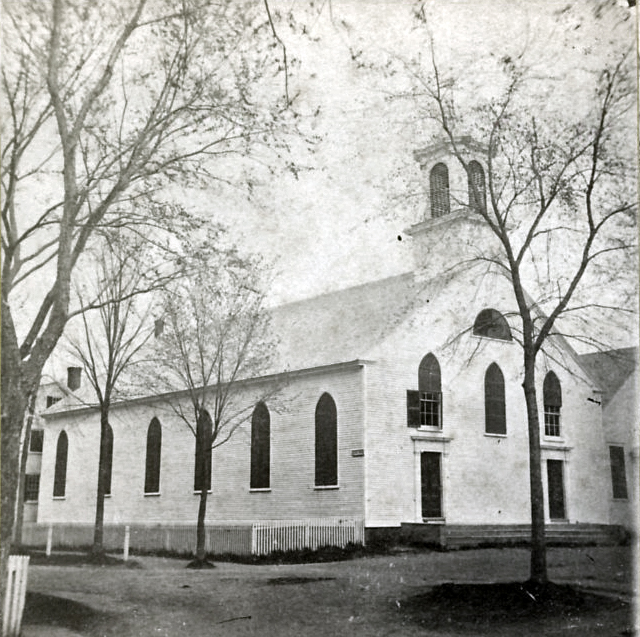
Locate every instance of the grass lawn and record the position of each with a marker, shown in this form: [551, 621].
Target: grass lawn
[407, 593]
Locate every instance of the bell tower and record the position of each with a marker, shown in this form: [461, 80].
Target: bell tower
[452, 232]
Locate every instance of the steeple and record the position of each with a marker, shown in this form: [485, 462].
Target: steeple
[452, 233]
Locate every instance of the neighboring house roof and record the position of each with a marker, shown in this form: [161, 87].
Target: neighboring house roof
[611, 368]
[343, 325]
[72, 399]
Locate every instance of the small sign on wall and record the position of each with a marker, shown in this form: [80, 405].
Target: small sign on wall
[357, 453]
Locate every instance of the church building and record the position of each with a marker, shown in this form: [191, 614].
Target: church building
[399, 414]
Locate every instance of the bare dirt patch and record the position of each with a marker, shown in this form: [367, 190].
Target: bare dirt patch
[412, 593]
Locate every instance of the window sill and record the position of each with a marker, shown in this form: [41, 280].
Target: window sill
[31, 501]
[433, 520]
[437, 435]
[260, 490]
[198, 492]
[153, 494]
[330, 487]
[59, 497]
[620, 499]
[35, 453]
[490, 435]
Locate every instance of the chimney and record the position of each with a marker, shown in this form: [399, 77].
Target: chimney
[158, 327]
[74, 374]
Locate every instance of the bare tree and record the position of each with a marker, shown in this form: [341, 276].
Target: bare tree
[103, 104]
[215, 337]
[113, 336]
[559, 197]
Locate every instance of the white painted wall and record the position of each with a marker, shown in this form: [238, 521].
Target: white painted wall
[292, 493]
[485, 477]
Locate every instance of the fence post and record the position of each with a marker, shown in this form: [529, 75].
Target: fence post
[49, 540]
[254, 535]
[127, 533]
[15, 593]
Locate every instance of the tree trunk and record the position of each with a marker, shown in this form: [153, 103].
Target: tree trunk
[14, 401]
[200, 534]
[23, 468]
[14, 405]
[538, 539]
[204, 441]
[98, 530]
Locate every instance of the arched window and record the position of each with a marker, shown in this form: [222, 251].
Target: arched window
[439, 190]
[552, 399]
[202, 473]
[495, 419]
[260, 447]
[326, 442]
[60, 472]
[430, 388]
[492, 324]
[477, 188]
[152, 463]
[108, 461]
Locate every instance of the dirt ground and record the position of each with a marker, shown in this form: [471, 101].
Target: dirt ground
[397, 594]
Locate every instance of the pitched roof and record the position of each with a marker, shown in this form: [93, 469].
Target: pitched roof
[611, 368]
[343, 325]
[333, 328]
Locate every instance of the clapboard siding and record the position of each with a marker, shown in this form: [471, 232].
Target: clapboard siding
[292, 493]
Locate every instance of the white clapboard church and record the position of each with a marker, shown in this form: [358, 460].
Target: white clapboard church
[400, 415]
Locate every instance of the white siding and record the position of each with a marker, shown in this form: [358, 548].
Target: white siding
[485, 477]
[292, 493]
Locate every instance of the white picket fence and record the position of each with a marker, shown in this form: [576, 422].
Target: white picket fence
[15, 594]
[287, 535]
[239, 538]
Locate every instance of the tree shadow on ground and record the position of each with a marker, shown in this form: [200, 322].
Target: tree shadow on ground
[280, 581]
[39, 558]
[50, 610]
[467, 608]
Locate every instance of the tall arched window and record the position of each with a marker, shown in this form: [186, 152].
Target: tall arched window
[430, 388]
[60, 472]
[202, 473]
[494, 402]
[552, 399]
[152, 463]
[326, 442]
[260, 447]
[477, 188]
[492, 324]
[439, 190]
[108, 461]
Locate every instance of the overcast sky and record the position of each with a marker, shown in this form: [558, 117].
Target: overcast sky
[338, 224]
